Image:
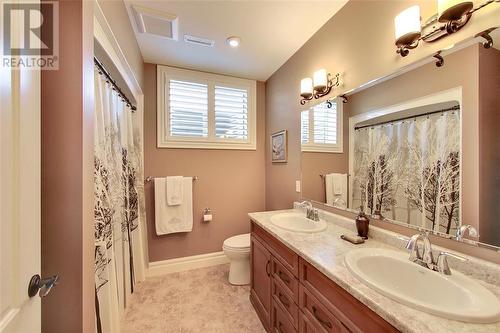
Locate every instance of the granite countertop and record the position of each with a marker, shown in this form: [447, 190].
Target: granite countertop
[326, 251]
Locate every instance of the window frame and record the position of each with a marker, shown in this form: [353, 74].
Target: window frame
[337, 148]
[165, 140]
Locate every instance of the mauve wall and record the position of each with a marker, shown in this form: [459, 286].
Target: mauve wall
[67, 142]
[314, 164]
[489, 143]
[231, 183]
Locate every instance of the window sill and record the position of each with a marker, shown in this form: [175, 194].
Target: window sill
[207, 145]
[322, 149]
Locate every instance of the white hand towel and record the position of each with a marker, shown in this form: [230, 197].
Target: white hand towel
[337, 183]
[172, 219]
[174, 188]
[329, 188]
[336, 187]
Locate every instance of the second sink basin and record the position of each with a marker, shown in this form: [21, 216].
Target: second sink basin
[453, 296]
[297, 222]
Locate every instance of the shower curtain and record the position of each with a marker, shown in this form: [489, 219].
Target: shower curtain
[118, 204]
[409, 171]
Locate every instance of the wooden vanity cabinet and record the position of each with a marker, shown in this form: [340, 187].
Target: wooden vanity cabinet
[260, 293]
[291, 296]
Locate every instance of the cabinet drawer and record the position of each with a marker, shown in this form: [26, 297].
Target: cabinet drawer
[282, 274]
[317, 316]
[282, 296]
[286, 256]
[352, 313]
[280, 322]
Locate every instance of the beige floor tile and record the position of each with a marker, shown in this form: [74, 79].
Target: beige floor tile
[197, 301]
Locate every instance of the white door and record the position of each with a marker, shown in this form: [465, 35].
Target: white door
[19, 196]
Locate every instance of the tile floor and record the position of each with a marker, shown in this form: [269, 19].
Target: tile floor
[196, 301]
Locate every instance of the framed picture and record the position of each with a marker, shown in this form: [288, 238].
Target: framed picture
[279, 147]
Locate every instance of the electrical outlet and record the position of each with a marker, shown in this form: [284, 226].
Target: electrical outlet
[297, 186]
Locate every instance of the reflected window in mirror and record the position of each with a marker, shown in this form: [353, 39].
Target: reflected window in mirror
[321, 128]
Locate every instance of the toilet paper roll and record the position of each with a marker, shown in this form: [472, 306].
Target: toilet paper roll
[207, 217]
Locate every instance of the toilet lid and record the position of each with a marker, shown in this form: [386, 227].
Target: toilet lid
[238, 241]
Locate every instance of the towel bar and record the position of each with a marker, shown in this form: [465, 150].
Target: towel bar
[148, 179]
[323, 176]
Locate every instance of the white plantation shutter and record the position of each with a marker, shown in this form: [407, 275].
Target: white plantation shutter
[231, 113]
[205, 111]
[325, 124]
[188, 112]
[321, 128]
[304, 127]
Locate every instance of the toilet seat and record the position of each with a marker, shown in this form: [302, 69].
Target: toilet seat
[237, 243]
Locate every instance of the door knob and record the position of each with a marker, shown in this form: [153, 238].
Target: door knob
[43, 285]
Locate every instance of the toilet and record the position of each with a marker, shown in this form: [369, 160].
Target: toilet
[237, 249]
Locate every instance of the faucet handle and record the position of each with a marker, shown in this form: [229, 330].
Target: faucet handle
[442, 262]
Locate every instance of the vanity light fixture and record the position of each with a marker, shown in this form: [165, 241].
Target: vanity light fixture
[451, 17]
[407, 29]
[321, 85]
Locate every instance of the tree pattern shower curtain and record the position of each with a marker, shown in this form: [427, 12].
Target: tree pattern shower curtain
[409, 171]
[118, 204]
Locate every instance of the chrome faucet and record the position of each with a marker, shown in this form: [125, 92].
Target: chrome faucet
[442, 263]
[311, 212]
[426, 258]
[467, 228]
[340, 203]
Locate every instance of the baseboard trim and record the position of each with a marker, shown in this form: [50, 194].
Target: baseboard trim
[157, 268]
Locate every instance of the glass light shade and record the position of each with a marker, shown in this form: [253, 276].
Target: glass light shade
[306, 87]
[449, 10]
[320, 79]
[407, 26]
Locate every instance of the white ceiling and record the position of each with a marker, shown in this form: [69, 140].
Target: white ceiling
[270, 31]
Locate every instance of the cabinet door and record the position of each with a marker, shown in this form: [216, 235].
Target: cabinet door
[260, 294]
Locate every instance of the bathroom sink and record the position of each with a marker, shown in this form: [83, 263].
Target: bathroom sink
[297, 222]
[453, 296]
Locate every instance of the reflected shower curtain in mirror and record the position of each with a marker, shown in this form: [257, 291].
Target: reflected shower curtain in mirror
[409, 171]
[118, 204]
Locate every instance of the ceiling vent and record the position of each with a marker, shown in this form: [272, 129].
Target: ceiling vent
[155, 22]
[199, 41]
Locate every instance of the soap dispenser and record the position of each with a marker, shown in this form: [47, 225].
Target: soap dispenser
[362, 223]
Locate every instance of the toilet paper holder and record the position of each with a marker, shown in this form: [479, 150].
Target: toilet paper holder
[207, 215]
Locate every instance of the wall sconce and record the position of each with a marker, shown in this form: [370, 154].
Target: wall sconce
[321, 85]
[451, 17]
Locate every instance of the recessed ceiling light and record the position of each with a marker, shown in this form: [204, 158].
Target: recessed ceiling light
[233, 41]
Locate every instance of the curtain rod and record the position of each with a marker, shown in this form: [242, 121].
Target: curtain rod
[102, 70]
[453, 108]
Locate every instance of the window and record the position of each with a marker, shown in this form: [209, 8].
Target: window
[321, 128]
[207, 111]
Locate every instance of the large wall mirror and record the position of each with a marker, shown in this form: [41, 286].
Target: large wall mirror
[419, 148]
